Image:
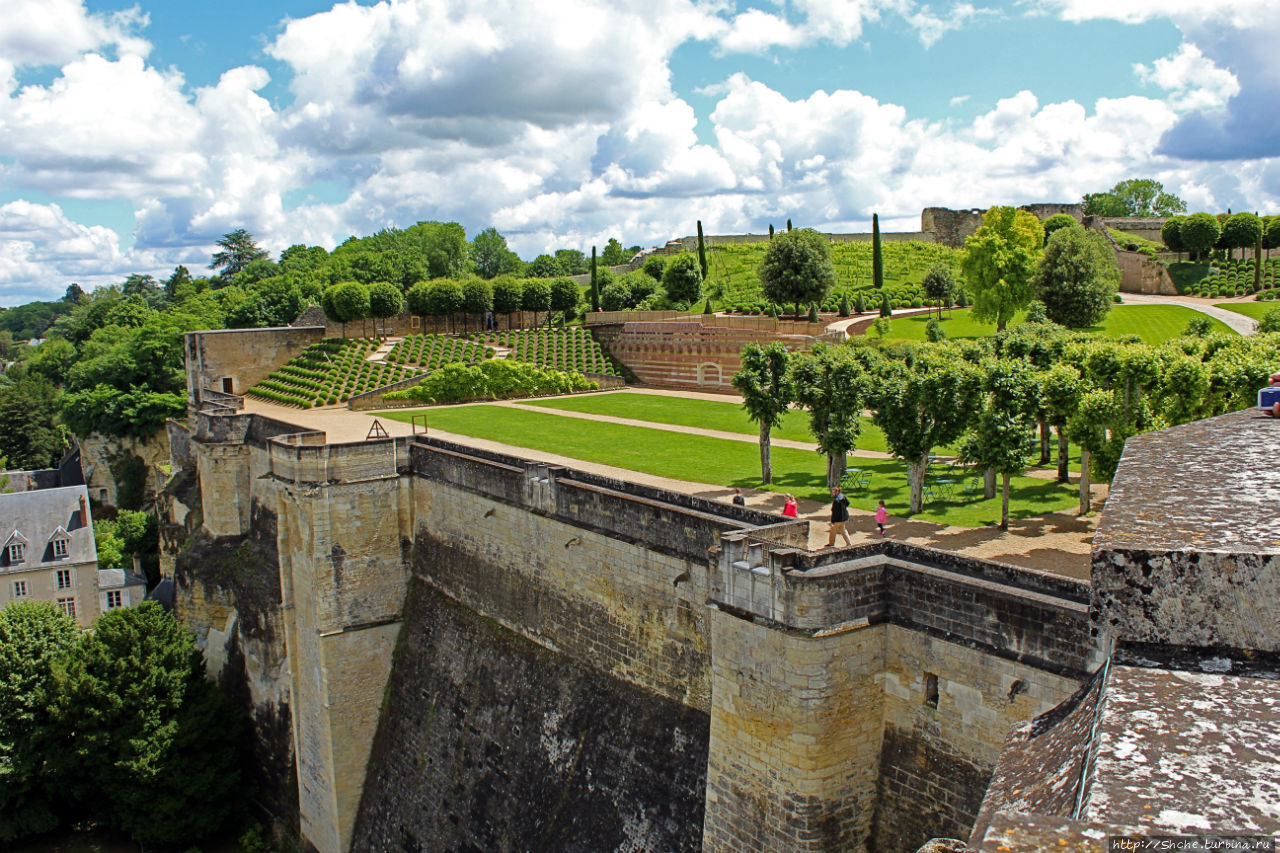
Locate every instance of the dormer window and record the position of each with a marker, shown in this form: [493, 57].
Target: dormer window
[60, 547]
[17, 552]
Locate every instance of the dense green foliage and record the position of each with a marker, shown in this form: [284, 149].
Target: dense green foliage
[766, 388]
[1077, 277]
[1225, 279]
[433, 351]
[116, 726]
[493, 380]
[1134, 197]
[335, 370]
[797, 269]
[571, 349]
[999, 263]
[682, 279]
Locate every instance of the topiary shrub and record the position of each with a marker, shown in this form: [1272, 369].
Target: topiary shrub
[813, 313]
[933, 331]
[860, 304]
[844, 306]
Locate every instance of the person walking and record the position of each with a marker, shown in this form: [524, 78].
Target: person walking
[882, 515]
[839, 515]
[789, 508]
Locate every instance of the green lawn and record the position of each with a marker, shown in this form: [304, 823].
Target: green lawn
[733, 463]
[1155, 324]
[1256, 310]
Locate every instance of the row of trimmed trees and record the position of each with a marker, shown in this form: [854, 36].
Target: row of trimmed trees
[992, 396]
[351, 301]
[1201, 232]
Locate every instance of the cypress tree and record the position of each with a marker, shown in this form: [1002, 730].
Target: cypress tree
[860, 304]
[788, 224]
[813, 313]
[844, 306]
[702, 252]
[877, 261]
[770, 230]
[595, 283]
[707, 308]
[885, 310]
[1257, 259]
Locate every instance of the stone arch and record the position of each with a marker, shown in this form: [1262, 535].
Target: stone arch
[709, 374]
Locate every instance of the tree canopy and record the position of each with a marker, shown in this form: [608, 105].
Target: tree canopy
[1077, 277]
[1134, 197]
[999, 264]
[797, 268]
[682, 279]
[236, 251]
[491, 256]
[767, 392]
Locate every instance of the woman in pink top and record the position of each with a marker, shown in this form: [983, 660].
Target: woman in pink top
[882, 515]
[789, 508]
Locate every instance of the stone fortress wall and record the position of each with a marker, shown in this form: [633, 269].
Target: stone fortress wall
[516, 572]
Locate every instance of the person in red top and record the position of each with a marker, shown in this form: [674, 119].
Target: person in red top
[789, 508]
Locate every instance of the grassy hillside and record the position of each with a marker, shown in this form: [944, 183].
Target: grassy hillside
[734, 271]
[1153, 323]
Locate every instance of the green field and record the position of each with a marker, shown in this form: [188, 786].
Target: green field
[1256, 310]
[732, 463]
[1155, 324]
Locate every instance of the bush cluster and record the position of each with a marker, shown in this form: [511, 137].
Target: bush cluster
[327, 373]
[493, 380]
[1235, 278]
[559, 349]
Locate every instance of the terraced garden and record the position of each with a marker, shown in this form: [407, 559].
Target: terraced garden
[330, 372]
[1225, 279]
[734, 270]
[562, 349]
[434, 351]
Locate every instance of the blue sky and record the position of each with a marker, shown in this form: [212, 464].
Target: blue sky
[131, 137]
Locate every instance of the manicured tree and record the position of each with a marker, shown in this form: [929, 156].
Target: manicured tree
[351, 301]
[832, 386]
[330, 309]
[653, 267]
[788, 224]
[616, 296]
[999, 264]
[877, 259]
[1087, 428]
[1257, 259]
[1199, 232]
[385, 300]
[1077, 277]
[1058, 220]
[1061, 388]
[544, 266]
[1242, 231]
[770, 230]
[886, 310]
[702, 252]
[595, 282]
[508, 295]
[707, 310]
[797, 268]
[1271, 239]
[939, 285]
[35, 638]
[844, 305]
[1171, 235]
[564, 297]
[765, 385]
[682, 279]
[416, 299]
[536, 297]
[813, 314]
[1007, 423]
[922, 405]
[444, 298]
[477, 298]
[860, 304]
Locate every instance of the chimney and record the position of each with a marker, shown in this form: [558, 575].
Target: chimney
[84, 512]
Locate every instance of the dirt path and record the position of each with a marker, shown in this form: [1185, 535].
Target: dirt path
[1058, 542]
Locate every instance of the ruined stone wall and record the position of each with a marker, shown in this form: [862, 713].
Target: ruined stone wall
[949, 227]
[245, 356]
[124, 472]
[1140, 273]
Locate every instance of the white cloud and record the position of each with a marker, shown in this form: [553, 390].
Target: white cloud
[958, 100]
[51, 32]
[931, 27]
[1193, 80]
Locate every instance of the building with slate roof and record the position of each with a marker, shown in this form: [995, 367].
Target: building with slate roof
[47, 553]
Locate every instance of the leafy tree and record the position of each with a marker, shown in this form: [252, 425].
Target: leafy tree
[572, 261]
[1270, 322]
[33, 319]
[544, 266]
[613, 253]
[1087, 428]
[654, 265]
[797, 268]
[6, 344]
[1005, 428]
[385, 300]
[273, 302]
[477, 298]
[1058, 220]
[75, 294]
[1200, 231]
[1242, 231]
[349, 301]
[1061, 388]
[765, 385]
[1171, 235]
[682, 279]
[34, 637]
[999, 264]
[29, 435]
[237, 251]
[702, 252]
[832, 385]
[1104, 204]
[416, 299]
[939, 286]
[443, 298]
[536, 297]
[508, 295]
[160, 762]
[1271, 238]
[877, 256]
[921, 405]
[491, 256]
[616, 297]
[564, 296]
[1077, 277]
